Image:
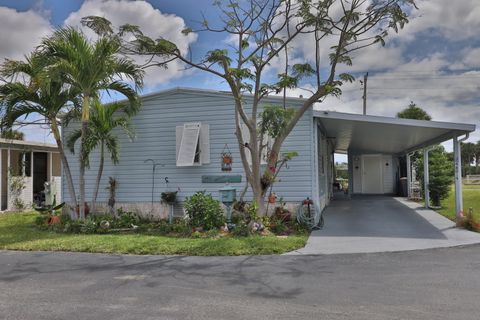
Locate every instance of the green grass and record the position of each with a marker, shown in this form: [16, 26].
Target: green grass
[17, 232]
[471, 199]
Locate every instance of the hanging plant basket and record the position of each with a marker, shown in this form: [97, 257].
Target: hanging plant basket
[227, 159]
[169, 197]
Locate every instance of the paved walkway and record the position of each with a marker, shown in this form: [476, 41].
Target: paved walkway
[367, 224]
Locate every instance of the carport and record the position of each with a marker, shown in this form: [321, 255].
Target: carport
[374, 144]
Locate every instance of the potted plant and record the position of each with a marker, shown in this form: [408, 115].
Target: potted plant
[169, 197]
[52, 212]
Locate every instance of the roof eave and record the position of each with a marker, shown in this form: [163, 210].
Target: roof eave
[460, 127]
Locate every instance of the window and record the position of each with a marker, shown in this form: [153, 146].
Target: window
[193, 144]
[267, 141]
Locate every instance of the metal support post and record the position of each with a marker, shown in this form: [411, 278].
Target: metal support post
[426, 177]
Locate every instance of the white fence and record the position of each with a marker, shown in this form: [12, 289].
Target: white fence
[472, 179]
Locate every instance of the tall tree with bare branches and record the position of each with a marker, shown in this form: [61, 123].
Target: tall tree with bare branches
[267, 31]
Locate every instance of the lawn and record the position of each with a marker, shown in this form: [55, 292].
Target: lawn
[17, 232]
[471, 199]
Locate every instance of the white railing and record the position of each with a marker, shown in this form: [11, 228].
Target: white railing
[472, 179]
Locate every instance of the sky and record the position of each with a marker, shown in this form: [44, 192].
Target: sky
[434, 61]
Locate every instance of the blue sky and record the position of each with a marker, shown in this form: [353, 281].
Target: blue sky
[434, 61]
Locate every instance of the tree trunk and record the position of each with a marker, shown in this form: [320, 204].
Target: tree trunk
[66, 167]
[99, 177]
[82, 160]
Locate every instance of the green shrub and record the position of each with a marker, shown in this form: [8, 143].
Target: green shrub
[277, 226]
[212, 233]
[181, 228]
[238, 217]
[89, 226]
[41, 221]
[125, 219]
[253, 211]
[241, 230]
[204, 211]
[301, 227]
[73, 226]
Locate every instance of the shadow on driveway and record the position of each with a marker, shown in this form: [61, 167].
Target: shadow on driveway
[375, 216]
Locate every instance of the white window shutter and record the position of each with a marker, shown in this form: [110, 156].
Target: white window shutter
[246, 139]
[188, 144]
[205, 143]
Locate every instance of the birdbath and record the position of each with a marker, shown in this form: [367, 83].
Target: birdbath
[228, 197]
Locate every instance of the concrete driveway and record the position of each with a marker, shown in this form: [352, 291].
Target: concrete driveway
[380, 224]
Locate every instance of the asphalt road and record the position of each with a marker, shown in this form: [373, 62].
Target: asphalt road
[430, 284]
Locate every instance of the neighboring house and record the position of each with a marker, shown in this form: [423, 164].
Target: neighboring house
[32, 164]
[178, 125]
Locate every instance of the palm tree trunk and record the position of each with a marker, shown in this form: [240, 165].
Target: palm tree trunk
[66, 167]
[85, 119]
[99, 177]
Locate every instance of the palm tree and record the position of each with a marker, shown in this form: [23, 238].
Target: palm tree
[12, 134]
[40, 93]
[92, 68]
[104, 119]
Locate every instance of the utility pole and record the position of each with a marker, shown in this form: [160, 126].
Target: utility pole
[365, 78]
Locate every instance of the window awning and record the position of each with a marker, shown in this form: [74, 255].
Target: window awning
[375, 134]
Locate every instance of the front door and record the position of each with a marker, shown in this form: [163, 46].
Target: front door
[372, 174]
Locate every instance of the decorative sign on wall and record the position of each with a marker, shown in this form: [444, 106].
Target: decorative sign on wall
[221, 179]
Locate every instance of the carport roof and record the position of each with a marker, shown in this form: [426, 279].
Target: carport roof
[365, 133]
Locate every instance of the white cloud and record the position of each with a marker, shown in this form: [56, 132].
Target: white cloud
[152, 22]
[455, 20]
[471, 58]
[20, 32]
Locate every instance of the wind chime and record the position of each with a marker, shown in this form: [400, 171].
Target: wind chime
[227, 159]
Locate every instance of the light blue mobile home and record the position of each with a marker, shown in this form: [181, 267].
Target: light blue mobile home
[175, 124]
[205, 121]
